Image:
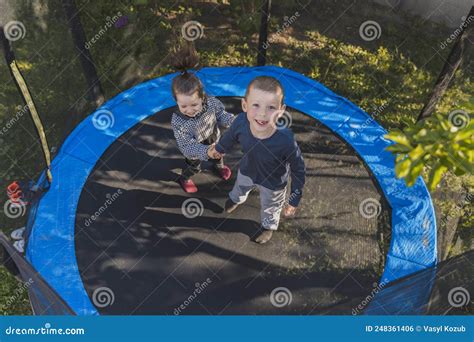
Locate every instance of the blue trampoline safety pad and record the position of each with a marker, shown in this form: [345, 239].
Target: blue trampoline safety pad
[51, 247]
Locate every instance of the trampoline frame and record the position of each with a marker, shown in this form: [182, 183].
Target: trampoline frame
[51, 245]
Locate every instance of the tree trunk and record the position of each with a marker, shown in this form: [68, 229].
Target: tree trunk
[95, 89]
[452, 64]
[263, 36]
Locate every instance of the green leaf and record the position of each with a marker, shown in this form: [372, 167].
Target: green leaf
[399, 158]
[417, 169]
[417, 153]
[464, 135]
[398, 137]
[435, 175]
[402, 168]
[396, 148]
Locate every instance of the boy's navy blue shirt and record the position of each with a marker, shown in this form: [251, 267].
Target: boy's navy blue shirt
[268, 162]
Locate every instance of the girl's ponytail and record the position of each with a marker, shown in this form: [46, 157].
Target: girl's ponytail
[186, 58]
[186, 83]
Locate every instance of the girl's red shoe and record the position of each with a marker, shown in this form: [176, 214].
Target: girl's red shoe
[225, 172]
[188, 185]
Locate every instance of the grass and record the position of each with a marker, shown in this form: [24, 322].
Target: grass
[395, 72]
[14, 297]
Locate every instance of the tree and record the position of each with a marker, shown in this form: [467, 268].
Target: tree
[449, 69]
[440, 142]
[79, 37]
[263, 36]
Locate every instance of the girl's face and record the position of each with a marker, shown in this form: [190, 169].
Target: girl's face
[189, 105]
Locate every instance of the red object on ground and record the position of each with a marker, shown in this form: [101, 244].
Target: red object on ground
[16, 197]
[14, 192]
[13, 187]
[225, 172]
[188, 185]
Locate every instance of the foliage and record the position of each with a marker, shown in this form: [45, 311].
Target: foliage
[440, 142]
[14, 295]
[453, 202]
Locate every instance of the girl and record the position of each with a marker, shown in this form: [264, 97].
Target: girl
[196, 122]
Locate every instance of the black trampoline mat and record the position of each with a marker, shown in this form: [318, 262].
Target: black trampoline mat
[155, 260]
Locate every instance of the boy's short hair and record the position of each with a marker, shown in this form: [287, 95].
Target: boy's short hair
[268, 84]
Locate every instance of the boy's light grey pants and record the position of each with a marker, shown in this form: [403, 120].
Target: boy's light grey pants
[271, 201]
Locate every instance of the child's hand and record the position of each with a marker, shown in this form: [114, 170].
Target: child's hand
[289, 211]
[217, 155]
[211, 150]
[212, 153]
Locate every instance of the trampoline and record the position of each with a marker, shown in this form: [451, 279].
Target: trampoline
[115, 224]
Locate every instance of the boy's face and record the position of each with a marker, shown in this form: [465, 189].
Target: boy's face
[189, 105]
[263, 109]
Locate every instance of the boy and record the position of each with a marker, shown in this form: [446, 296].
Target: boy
[271, 154]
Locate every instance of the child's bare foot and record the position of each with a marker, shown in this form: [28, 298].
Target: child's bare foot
[264, 236]
[289, 211]
[230, 206]
[188, 185]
